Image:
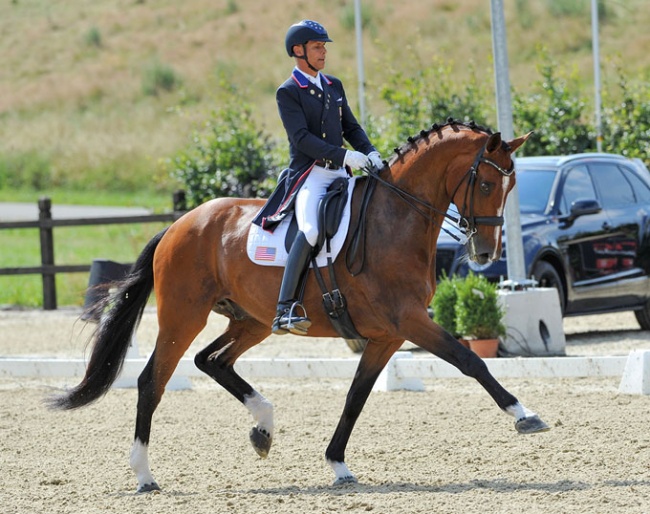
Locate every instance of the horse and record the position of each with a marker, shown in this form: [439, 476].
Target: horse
[198, 265]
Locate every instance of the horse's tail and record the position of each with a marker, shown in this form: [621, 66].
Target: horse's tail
[120, 316]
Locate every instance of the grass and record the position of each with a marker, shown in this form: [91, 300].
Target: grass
[72, 245]
[156, 201]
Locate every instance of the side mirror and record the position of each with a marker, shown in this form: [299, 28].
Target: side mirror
[582, 207]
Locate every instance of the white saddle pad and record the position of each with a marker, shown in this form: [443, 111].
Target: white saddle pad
[267, 249]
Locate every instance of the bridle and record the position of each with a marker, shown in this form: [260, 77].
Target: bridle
[467, 224]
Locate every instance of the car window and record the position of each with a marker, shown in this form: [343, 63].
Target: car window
[577, 185]
[640, 188]
[614, 190]
[534, 189]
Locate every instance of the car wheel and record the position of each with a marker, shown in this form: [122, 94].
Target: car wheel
[643, 316]
[547, 276]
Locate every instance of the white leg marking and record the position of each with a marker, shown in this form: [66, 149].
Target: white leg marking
[343, 474]
[262, 411]
[139, 461]
[519, 411]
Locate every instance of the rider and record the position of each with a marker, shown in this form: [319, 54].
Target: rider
[316, 116]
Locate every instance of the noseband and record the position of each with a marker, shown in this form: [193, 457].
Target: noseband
[467, 224]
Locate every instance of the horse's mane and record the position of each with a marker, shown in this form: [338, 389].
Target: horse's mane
[437, 127]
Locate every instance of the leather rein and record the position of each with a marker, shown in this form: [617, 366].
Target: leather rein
[466, 224]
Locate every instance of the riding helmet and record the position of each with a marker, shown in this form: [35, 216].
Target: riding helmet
[303, 31]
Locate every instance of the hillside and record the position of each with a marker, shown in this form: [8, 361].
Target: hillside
[73, 86]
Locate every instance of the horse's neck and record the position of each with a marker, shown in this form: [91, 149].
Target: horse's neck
[424, 176]
[406, 220]
[425, 172]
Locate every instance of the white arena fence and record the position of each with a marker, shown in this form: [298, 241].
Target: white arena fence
[403, 372]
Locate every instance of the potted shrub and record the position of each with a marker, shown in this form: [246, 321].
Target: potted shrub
[479, 314]
[443, 305]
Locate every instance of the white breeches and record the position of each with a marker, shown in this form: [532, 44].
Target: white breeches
[309, 197]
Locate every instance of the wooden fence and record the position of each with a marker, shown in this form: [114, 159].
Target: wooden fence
[45, 225]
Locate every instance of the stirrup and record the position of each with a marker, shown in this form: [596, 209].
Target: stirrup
[292, 322]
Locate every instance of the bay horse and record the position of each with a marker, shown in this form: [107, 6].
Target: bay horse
[199, 265]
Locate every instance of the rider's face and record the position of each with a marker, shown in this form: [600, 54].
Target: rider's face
[316, 53]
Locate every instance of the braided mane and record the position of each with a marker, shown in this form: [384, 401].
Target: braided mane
[436, 127]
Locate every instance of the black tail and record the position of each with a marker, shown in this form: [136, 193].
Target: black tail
[121, 315]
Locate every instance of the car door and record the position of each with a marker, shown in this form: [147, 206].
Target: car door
[583, 243]
[625, 199]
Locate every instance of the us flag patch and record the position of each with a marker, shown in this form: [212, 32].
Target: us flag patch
[265, 253]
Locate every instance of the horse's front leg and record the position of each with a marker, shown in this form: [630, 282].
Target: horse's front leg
[373, 360]
[431, 337]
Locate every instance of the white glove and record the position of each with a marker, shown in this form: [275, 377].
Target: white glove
[356, 160]
[375, 159]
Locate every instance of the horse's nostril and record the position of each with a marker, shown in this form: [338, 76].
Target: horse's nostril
[482, 258]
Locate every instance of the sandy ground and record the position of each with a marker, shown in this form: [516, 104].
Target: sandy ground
[448, 449]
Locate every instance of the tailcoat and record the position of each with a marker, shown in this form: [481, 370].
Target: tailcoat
[317, 122]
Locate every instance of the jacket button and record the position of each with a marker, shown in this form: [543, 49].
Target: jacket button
[324, 135]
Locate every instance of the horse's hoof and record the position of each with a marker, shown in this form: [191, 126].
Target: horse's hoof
[531, 425]
[261, 441]
[148, 488]
[348, 479]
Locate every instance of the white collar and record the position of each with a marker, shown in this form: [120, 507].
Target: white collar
[314, 80]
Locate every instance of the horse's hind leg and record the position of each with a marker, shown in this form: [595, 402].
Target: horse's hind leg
[217, 361]
[176, 332]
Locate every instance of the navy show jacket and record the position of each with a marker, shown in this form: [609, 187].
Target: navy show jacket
[317, 122]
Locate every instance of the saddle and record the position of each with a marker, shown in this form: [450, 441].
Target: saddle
[330, 212]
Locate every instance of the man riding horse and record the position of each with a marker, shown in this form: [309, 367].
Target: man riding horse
[317, 118]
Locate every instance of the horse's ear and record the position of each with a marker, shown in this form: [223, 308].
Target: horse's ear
[516, 143]
[493, 142]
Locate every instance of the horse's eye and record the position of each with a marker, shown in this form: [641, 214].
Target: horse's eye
[485, 188]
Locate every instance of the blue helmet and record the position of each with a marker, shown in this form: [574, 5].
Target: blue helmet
[303, 31]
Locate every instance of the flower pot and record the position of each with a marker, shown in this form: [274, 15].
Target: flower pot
[484, 348]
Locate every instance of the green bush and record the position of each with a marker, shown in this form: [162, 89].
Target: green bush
[230, 157]
[414, 104]
[626, 122]
[556, 113]
[93, 38]
[444, 304]
[478, 312]
[158, 77]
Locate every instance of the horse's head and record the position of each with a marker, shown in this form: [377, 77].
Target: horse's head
[480, 195]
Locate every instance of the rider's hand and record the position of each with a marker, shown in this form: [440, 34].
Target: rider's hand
[356, 160]
[375, 159]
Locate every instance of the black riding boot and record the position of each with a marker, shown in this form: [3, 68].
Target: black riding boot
[287, 318]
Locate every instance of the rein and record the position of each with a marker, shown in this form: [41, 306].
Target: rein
[466, 224]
